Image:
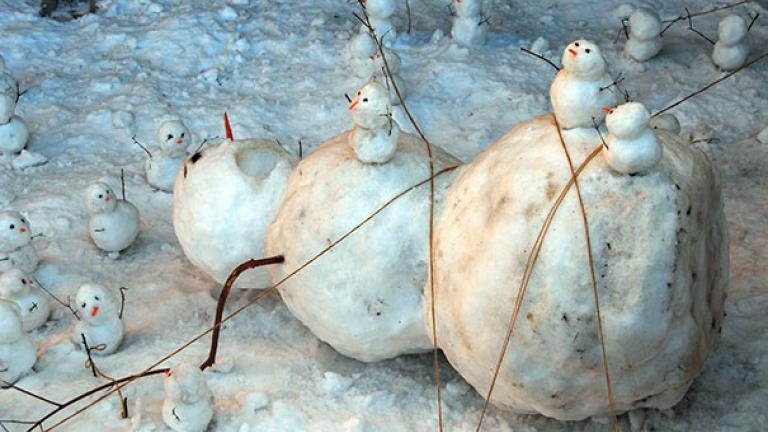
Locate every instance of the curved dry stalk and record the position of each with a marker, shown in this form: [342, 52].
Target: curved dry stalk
[687, 16]
[122, 382]
[759, 58]
[532, 257]
[590, 258]
[390, 77]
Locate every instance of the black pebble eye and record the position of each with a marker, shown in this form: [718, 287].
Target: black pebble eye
[359, 93]
[365, 99]
[170, 136]
[586, 50]
[83, 305]
[577, 44]
[101, 196]
[23, 282]
[12, 226]
[96, 298]
[182, 134]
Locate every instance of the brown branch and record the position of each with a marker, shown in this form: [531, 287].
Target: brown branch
[67, 305]
[705, 12]
[91, 364]
[141, 146]
[122, 301]
[713, 83]
[122, 382]
[6, 385]
[590, 258]
[751, 23]
[690, 27]
[532, 258]
[551, 63]
[390, 76]
[248, 265]
[410, 17]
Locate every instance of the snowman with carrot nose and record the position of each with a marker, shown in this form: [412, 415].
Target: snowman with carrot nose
[100, 322]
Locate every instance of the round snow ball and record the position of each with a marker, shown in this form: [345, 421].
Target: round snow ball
[224, 198]
[380, 8]
[660, 249]
[644, 23]
[364, 296]
[628, 120]
[732, 30]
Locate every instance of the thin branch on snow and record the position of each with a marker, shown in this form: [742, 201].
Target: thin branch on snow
[691, 28]
[674, 21]
[539, 56]
[141, 146]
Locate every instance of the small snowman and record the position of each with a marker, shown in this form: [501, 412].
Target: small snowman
[18, 287]
[188, 404]
[18, 353]
[732, 47]
[667, 122]
[114, 223]
[469, 28]
[375, 135]
[582, 88]
[644, 35]
[161, 167]
[631, 145]
[380, 15]
[362, 52]
[100, 320]
[15, 243]
[13, 131]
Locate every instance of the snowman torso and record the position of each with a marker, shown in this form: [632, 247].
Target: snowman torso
[633, 155]
[24, 257]
[108, 333]
[469, 31]
[116, 230]
[17, 358]
[8, 85]
[13, 136]
[188, 417]
[35, 309]
[161, 170]
[729, 57]
[576, 101]
[375, 145]
[642, 49]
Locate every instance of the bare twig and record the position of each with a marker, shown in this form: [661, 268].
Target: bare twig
[67, 305]
[91, 364]
[597, 129]
[410, 17]
[301, 150]
[122, 182]
[672, 22]
[551, 63]
[691, 28]
[122, 301]
[619, 79]
[6, 385]
[754, 20]
[713, 83]
[141, 146]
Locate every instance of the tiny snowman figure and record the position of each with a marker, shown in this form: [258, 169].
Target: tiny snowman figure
[13, 131]
[8, 84]
[380, 15]
[362, 52]
[732, 47]
[100, 320]
[15, 243]
[18, 353]
[469, 28]
[16, 286]
[375, 135]
[114, 223]
[582, 88]
[161, 168]
[644, 35]
[188, 404]
[631, 145]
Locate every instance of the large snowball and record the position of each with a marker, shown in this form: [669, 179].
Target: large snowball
[661, 256]
[224, 198]
[365, 296]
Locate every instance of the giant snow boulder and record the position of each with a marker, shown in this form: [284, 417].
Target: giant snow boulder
[660, 251]
[364, 297]
[224, 198]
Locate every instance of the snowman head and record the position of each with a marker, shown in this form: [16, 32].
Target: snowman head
[7, 108]
[96, 303]
[371, 107]
[15, 284]
[468, 8]
[584, 59]
[644, 23]
[173, 137]
[185, 383]
[627, 121]
[11, 327]
[732, 30]
[99, 198]
[363, 46]
[14, 231]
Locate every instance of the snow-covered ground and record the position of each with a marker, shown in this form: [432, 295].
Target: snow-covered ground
[277, 68]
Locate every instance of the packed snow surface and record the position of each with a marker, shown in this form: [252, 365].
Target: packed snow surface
[278, 69]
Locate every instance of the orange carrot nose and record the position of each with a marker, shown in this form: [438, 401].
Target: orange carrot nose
[94, 311]
[608, 110]
[373, 58]
[572, 51]
[227, 127]
[107, 198]
[22, 230]
[179, 142]
[168, 373]
[354, 103]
